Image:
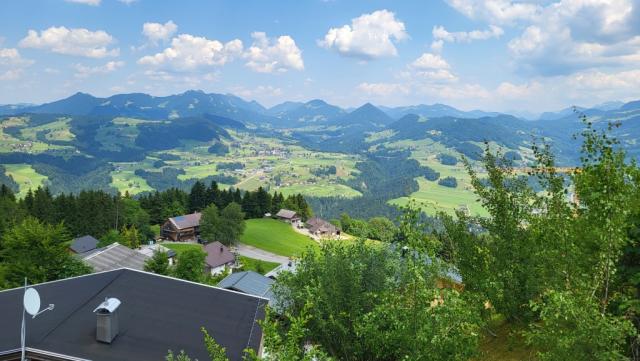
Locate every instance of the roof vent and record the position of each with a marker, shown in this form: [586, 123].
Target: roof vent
[107, 320]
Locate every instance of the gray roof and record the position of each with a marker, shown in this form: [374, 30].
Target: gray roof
[152, 317]
[83, 244]
[316, 224]
[150, 249]
[249, 282]
[218, 255]
[116, 256]
[285, 213]
[186, 221]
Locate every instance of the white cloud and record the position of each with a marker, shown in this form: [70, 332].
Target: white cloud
[12, 64]
[189, 53]
[83, 71]
[80, 42]
[267, 56]
[430, 61]
[157, 32]
[497, 11]
[440, 33]
[85, 2]
[128, 2]
[369, 36]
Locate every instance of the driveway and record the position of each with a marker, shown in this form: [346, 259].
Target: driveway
[257, 253]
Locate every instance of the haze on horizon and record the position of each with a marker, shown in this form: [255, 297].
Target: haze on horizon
[500, 55]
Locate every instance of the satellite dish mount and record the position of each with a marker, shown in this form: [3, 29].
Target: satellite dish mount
[30, 305]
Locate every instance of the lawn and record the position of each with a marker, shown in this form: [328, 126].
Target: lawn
[276, 237]
[26, 177]
[125, 180]
[181, 247]
[256, 265]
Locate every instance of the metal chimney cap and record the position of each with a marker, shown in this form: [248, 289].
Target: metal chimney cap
[109, 305]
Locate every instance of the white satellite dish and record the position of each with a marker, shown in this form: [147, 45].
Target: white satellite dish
[31, 301]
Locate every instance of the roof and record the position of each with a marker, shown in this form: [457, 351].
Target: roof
[83, 244]
[316, 224]
[218, 255]
[186, 221]
[248, 282]
[285, 213]
[150, 249]
[152, 317]
[116, 256]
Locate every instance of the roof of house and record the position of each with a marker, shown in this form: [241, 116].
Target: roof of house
[248, 282]
[150, 249]
[316, 224]
[83, 244]
[152, 317]
[115, 256]
[285, 213]
[186, 221]
[218, 254]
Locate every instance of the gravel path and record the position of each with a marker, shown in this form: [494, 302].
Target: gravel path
[257, 253]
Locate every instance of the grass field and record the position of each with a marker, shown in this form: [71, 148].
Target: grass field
[256, 265]
[275, 237]
[181, 247]
[125, 180]
[325, 190]
[26, 177]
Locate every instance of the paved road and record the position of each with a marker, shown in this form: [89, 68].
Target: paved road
[257, 253]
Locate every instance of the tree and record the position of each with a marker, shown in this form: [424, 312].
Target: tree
[210, 223]
[130, 237]
[381, 228]
[158, 263]
[37, 251]
[190, 265]
[197, 197]
[111, 237]
[231, 225]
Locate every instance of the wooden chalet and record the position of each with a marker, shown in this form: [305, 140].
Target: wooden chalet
[182, 228]
[321, 228]
[288, 216]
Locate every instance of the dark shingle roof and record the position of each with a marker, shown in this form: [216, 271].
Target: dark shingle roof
[115, 256]
[83, 244]
[218, 254]
[186, 221]
[248, 282]
[316, 224]
[157, 313]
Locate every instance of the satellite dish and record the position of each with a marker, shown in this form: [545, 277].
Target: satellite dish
[31, 301]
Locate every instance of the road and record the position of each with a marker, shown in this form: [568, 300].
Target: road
[257, 253]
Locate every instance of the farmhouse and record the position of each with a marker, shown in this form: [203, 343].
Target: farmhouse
[321, 228]
[146, 314]
[219, 257]
[83, 244]
[113, 257]
[182, 228]
[288, 216]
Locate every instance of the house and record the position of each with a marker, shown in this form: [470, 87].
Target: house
[83, 244]
[219, 257]
[150, 249]
[288, 216]
[321, 228]
[182, 228]
[146, 312]
[249, 282]
[115, 256]
[284, 267]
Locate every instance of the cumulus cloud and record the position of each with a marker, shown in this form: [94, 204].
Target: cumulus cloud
[369, 36]
[189, 53]
[440, 33]
[156, 32]
[382, 89]
[128, 2]
[12, 64]
[83, 71]
[430, 61]
[85, 2]
[80, 42]
[497, 11]
[273, 55]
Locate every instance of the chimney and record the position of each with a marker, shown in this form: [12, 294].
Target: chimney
[107, 320]
[221, 249]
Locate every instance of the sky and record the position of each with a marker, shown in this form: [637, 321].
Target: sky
[523, 56]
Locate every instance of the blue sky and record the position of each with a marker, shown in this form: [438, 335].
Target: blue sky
[525, 56]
